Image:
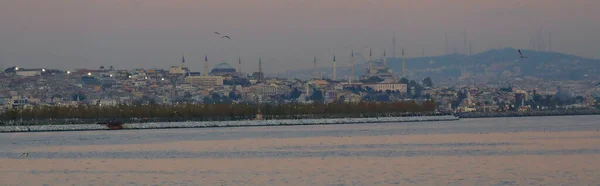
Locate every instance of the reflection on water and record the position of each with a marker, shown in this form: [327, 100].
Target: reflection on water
[501, 151]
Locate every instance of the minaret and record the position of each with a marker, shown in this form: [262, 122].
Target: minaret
[370, 62]
[351, 63]
[182, 60]
[384, 60]
[260, 70]
[205, 65]
[315, 75]
[334, 69]
[260, 64]
[240, 65]
[403, 63]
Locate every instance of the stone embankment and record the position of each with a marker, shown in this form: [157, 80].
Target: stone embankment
[529, 114]
[242, 123]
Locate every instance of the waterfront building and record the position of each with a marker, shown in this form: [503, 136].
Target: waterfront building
[269, 90]
[205, 80]
[402, 88]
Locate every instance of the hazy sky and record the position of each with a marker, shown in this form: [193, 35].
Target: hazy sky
[70, 34]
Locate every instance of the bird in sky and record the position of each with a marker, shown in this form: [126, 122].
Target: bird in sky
[226, 37]
[521, 54]
[217, 33]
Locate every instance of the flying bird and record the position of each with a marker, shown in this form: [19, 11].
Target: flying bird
[217, 33]
[225, 37]
[521, 54]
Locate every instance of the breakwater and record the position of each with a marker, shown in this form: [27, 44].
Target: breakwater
[238, 123]
[529, 113]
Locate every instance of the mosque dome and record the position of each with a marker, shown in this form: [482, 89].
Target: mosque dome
[223, 67]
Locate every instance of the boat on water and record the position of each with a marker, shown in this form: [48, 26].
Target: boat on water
[113, 125]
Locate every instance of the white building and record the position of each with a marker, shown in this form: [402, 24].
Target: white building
[205, 80]
[387, 86]
[28, 73]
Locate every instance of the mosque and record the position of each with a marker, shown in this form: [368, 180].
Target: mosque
[225, 70]
[381, 71]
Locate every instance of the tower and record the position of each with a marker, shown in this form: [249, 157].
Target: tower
[384, 60]
[403, 63]
[182, 60]
[205, 65]
[260, 65]
[370, 62]
[351, 63]
[394, 45]
[240, 65]
[334, 69]
[315, 75]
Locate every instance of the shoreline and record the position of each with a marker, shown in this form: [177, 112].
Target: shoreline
[515, 114]
[214, 124]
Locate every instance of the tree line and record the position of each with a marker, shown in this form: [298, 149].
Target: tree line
[218, 111]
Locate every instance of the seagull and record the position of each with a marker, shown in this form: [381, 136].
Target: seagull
[217, 33]
[520, 53]
[25, 154]
[225, 37]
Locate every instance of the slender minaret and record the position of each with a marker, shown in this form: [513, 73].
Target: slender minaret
[260, 65]
[351, 63]
[370, 62]
[182, 60]
[403, 63]
[315, 75]
[240, 65]
[334, 69]
[394, 45]
[384, 60]
[205, 65]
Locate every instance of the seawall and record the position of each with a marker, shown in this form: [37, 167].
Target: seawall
[240, 123]
[528, 114]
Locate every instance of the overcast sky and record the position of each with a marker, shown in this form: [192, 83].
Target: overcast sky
[70, 34]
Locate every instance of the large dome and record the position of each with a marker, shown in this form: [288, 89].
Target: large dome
[223, 69]
[223, 66]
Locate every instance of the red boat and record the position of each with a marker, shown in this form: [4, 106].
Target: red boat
[113, 125]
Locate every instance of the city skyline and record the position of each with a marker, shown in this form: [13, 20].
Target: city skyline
[153, 34]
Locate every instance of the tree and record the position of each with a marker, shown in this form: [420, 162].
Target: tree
[317, 96]
[233, 96]
[207, 100]
[427, 82]
[79, 97]
[404, 81]
[295, 94]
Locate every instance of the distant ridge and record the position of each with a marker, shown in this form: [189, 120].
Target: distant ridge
[491, 64]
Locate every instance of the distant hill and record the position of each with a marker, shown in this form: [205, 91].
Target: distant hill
[488, 65]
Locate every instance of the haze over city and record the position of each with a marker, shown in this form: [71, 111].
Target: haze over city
[69, 34]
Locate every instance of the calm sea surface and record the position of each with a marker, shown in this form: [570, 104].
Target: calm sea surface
[562, 150]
